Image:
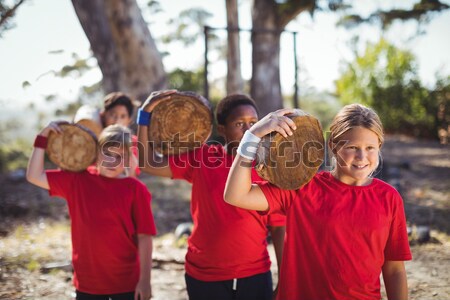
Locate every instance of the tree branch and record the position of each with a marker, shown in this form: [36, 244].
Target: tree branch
[417, 12]
[291, 9]
[8, 13]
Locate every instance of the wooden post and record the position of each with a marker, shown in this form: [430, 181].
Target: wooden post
[206, 85]
[296, 101]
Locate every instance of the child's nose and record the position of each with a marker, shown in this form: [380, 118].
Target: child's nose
[247, 126]
[360, 154]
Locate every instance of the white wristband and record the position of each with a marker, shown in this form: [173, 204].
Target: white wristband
[248, 146]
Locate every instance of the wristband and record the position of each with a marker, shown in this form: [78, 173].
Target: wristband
[40, 142]
[143, 117]
[248, 146]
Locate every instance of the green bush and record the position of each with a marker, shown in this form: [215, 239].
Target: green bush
[385, 78]
[14, 156]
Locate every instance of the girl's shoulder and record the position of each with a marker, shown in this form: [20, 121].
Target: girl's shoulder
[377, 185]
[386, 187]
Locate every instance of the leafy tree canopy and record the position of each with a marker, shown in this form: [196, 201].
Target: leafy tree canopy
[385, 77]
[420, 11]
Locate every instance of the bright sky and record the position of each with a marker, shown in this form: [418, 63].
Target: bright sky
[47, 25]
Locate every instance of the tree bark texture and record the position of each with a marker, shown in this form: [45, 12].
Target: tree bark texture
[123, 46]
[235, 83]
[269, 20]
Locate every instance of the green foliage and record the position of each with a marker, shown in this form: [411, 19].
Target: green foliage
[79, 67]
[188, 26]
[14, 156]
[322, 106]
[187, 80]
[385, 78]
[420, 12]
[154, 6]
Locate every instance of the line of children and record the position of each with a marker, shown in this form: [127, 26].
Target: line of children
[344, 227]
[111, 218]
[227, 254]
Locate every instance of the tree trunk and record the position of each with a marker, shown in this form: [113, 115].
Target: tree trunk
[265, 83]
[235, 83]
[269, 20]
[123, 46]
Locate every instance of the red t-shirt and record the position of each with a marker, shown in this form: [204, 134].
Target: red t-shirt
[106, 216]
[226, 242]
[338, 237]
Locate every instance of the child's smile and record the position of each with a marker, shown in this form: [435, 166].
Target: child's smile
[357, 158]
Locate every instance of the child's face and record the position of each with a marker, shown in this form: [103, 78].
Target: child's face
[117, 115]
[357, 156]
[240, 119]
[111, 161]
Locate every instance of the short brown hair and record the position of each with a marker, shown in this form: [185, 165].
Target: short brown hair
[356, 115]
[116, 133]
[118, 98]
[227, 104]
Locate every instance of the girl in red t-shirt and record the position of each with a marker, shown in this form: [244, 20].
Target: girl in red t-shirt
[111, 219]
[344, 228]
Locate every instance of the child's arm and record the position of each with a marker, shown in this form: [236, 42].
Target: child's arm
[145, 247]
[151, 164]
[394, 276]
[277, 233]
[239, 190]
[35, 171]
[131, 170]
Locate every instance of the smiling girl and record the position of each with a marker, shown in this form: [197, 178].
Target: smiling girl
[344, 228]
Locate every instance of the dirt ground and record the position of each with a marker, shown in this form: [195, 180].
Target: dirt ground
[35, 232]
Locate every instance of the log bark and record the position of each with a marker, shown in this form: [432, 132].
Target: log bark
[180, 124]
[291, 162]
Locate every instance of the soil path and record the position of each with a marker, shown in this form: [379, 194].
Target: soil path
[35, 242]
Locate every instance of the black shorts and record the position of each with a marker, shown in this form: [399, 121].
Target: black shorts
[256, 287]
[122, 296]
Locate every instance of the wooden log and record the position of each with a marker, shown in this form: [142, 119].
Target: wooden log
[89, 117]
[180, 124]
[74, 149]
[291, 162]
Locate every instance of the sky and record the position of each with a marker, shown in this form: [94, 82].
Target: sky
[48, 33]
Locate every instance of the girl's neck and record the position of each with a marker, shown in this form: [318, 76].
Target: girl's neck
[349, 180]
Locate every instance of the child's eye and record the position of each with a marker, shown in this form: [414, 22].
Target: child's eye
[239, 124]
[252, 123]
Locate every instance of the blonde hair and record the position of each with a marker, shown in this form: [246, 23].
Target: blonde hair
[117, 134]
[356, 115]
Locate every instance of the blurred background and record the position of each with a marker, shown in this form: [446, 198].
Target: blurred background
[56, 56]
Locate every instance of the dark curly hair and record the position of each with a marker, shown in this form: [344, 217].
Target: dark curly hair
[118, 98]
[227, 104]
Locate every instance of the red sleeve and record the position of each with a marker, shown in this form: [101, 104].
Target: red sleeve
[279, 200]
[277, 219]
[60, 182]
[183, 165]
[142, 211]
[397, 246]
